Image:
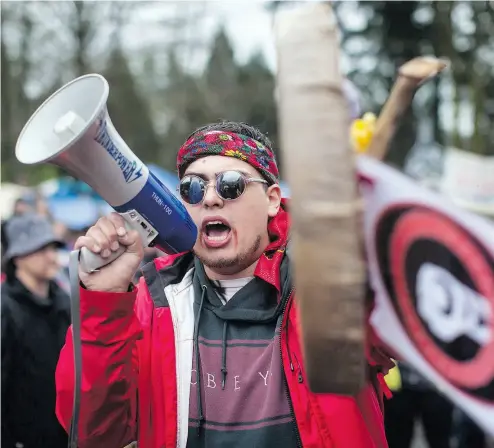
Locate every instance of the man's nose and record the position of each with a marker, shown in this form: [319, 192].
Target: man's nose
[211, 198]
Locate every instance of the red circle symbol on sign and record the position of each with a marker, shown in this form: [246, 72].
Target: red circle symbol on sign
[409, 236]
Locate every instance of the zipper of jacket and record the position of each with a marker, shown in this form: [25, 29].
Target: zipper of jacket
[290, 404]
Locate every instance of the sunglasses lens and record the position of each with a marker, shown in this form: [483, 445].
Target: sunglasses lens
[230, 185]
[192, 189]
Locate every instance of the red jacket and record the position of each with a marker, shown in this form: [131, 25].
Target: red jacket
[130, 388]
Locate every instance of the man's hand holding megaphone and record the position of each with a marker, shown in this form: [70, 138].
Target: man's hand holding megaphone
[104, 238]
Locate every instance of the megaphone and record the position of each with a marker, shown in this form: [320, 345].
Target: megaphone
[72, 129]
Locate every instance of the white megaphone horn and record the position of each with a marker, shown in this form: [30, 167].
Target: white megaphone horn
[72, 129]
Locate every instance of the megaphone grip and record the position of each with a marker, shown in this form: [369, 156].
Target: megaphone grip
[89, 261]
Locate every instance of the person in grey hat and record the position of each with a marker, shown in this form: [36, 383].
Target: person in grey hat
[35, 319]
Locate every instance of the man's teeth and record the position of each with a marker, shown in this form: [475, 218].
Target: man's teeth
[217, 238]
[216, 231]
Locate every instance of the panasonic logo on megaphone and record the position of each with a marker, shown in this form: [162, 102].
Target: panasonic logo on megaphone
[72, 129]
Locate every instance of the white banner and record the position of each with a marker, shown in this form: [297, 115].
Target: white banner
[432, 268]
[468, 180]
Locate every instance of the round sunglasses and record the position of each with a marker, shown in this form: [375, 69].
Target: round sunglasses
[229, 185]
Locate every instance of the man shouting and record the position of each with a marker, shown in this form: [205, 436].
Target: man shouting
[205, 351]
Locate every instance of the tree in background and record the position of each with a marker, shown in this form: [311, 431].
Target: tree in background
[128, 108]
[224, 90]
[44, 45]
[179, 78]
[256, 91]
[184, 107]
[378, 36]
[220, 80]
[15, 68]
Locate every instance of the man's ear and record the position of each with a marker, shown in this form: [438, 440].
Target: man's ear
[273, 194]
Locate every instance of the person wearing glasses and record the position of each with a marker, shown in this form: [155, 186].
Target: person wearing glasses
[205, 350]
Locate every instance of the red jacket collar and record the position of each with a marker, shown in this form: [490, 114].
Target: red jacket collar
[268, 266]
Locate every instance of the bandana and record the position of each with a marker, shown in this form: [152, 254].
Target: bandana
[228, 144]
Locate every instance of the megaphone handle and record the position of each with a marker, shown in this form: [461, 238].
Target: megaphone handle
[89, 261]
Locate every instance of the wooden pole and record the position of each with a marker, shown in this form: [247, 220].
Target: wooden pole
[328, 264]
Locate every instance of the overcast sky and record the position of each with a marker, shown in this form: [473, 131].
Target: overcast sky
[248, 24]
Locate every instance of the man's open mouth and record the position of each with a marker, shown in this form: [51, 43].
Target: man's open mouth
[216, 231]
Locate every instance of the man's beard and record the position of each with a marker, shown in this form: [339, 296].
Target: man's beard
[240, 261]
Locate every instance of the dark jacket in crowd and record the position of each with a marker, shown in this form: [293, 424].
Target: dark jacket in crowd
[33, 332]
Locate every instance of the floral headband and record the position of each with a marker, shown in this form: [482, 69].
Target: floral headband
[228, 144]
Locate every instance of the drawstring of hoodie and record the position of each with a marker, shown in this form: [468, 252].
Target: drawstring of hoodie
[224, 370]
[198, 361]
[223, 356]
